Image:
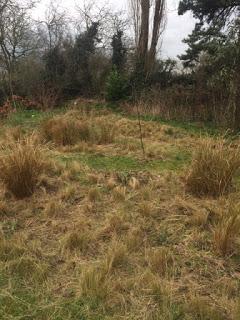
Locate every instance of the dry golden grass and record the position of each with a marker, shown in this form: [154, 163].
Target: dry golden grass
[94, 195]
[54, 208]
[119, 193]
[21, 166]
[117, 256]
[103, 130]
[109, 236]
[93, 283]
[14, 134]
[65, 131]
[28, 269]
[214, 166]
[160, 260]
[68, 130]
[77, 240]
[227, 231]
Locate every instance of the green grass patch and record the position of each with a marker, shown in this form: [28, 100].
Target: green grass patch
[126, 163]
[36, 303]
[29, 118]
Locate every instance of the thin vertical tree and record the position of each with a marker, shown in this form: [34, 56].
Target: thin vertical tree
[147, 30]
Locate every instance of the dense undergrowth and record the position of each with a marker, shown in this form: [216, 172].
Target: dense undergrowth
[106, 233]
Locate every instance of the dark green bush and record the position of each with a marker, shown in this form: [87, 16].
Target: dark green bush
[116, 87]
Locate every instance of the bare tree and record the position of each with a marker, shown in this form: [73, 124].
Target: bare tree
[147, 30]
[54, 26]
[16, 34]
[110, 21]
[135, 8]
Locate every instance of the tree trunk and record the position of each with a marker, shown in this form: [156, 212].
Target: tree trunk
[144, 33]
[158, 19]
[237, 84]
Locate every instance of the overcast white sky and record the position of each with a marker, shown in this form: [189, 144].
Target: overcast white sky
[177, 28]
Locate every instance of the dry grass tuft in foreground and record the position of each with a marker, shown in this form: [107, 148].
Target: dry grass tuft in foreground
[213, 168]
[21, 166]
[226, 231]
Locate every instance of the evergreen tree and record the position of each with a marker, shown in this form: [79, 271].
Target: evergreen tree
[119, 51]
[217, 31]
[84, 48]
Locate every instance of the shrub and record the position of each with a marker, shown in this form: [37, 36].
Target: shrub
[116, 87]
[21, 166]
[16, 103]
[213, 168]
[47, 98]
[65, 131]
[6, 109]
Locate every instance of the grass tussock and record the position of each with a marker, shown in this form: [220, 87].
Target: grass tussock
[21, 166]
[214, 166]
[77, 241]
[227, 231]
[69, 131]
[65, 131]
[160, 260]
[103, 131]
[117, 256]
[93, 283]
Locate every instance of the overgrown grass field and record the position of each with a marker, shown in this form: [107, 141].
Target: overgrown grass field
[92, 228]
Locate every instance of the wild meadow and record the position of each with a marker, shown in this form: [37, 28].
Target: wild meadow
[119, 160]
[93, 228]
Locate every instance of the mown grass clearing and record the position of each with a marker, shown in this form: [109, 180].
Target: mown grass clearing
[111, 234]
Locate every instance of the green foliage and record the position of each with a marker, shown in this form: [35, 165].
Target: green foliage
[210, 33]
[164, 72]
[202, 40]
[84, 48]
[119, 50]
[116, 87]
[209, 10]
[54, 64]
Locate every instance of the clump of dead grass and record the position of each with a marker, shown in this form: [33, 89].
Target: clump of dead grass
[214, 166]
[160, 260]
[68, 131]
[77, 240]
[65, 131]
[94, 194]
[103, 130]
[14, 133]
[93, 283]
[117, 256]
[54, 208]
[21, 166]
[119, 193]
[227, 230]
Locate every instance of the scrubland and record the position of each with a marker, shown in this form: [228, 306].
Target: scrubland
[90, 228]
